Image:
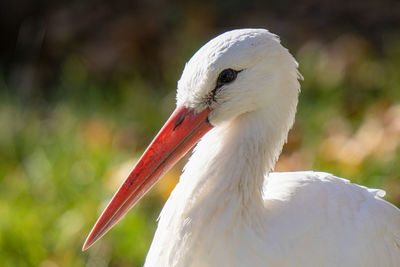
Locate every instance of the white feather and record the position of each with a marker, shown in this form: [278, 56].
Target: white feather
[228, 210]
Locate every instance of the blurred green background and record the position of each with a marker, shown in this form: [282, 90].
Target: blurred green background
[85, 85]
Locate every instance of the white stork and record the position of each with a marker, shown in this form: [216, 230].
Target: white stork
[238, 94]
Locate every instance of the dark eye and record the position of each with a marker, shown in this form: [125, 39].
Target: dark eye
[226, 76]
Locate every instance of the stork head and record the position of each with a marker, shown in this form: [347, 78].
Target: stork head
[238, 72]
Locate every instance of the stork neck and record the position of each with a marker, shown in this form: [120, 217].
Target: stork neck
[222, 182]
[231, 161]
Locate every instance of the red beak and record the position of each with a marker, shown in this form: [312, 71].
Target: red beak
[180, 133]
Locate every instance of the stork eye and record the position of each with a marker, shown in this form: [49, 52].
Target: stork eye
[226, 76]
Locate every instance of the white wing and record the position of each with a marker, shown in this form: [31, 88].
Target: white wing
[323, 220]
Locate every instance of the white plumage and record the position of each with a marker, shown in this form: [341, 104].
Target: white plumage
[225, 211]
[228, 209]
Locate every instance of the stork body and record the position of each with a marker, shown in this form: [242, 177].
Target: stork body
[239, 93]
[225, 211]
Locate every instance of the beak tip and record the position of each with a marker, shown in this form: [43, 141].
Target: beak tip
[90, 240]
[86, 245]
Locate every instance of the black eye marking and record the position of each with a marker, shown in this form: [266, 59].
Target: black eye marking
[226, 76]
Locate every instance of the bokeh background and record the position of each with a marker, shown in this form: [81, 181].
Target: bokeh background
[85, 85]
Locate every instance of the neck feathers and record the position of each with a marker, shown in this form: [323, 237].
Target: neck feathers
[231, 161]
[220, 190]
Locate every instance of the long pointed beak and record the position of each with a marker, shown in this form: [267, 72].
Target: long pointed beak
[180, 133]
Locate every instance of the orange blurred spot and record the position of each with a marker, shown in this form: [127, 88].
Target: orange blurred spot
[292, 162]
[96, 133]
[378, 135]
[165, 186]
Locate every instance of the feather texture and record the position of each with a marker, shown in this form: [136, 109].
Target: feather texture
[229, 210]
[224, 212]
